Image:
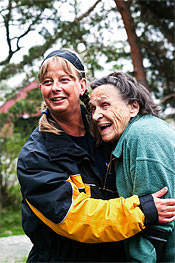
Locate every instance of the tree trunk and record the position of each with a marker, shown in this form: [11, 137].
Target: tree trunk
[133, 40]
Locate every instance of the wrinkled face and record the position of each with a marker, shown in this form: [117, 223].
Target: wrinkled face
[110, 112]
[60, 91]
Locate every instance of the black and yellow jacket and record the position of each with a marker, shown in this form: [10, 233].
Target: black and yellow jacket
[65, 210]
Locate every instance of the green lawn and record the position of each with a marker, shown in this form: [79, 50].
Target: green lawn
[10, 222]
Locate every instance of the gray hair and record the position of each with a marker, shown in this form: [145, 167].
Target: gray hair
[130, 91]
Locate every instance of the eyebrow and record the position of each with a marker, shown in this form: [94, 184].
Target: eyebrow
[50, 75]
[103, 97]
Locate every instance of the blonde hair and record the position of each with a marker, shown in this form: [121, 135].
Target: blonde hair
[45, 125]
[67, 66]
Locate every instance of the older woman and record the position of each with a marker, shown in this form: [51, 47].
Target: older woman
[125, 114]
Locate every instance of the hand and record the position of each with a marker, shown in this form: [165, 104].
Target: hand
[165, 207]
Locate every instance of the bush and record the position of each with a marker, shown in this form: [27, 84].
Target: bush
[11, 221]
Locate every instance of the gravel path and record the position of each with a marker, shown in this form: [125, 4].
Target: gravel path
[14, 249]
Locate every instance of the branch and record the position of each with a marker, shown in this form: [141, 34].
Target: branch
[10, 70]
[167, 98]
[27, 31]
[159, 23]
[78, 19]
[6, 22]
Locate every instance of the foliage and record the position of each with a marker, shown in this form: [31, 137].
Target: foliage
[10, 148]
[30, 105]
[11, 221]
[3, 118]
[155, 24]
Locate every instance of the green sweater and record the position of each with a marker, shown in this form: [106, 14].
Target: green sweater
[145, 162]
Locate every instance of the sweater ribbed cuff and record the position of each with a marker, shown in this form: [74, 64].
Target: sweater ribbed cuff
[149, 209]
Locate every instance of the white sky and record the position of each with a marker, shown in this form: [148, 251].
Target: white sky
[33, 38]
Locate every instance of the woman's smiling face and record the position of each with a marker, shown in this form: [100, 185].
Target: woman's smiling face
[110, 112]
[60, 91]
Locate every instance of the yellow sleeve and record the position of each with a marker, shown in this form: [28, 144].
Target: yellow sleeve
[92, 220]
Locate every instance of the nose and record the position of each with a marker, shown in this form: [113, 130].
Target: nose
[56, 86]
[96, 115]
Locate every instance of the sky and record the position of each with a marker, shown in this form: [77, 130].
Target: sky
[34, 38]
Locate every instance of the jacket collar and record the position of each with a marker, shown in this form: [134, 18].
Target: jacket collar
[62, 145]
[119, 147]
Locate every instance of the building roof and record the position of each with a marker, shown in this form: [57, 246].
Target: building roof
[20, 95]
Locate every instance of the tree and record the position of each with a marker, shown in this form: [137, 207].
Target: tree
[94, 29]
[133, 40]
[11, 145]
[155, 26]
[28, 16]
[9, 151]
[151, 33]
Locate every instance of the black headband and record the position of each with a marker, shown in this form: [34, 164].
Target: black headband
[71, 57]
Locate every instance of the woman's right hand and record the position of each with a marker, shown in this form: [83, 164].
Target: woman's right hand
[165, 207]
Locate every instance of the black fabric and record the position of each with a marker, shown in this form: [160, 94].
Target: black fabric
[83, 142]
[78, 252]
[159, 240]
[43, 168]
[70, 56]
[148, 207]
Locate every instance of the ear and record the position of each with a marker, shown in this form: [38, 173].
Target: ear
[134, 109]
[83, 86]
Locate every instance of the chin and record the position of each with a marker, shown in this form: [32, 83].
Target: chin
[106, 139]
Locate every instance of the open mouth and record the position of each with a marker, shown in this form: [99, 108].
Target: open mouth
[103, 127]
[58, 99]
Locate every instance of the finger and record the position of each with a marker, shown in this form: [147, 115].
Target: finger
[161, 192]
[169, 209]
[166, 220]
[168, 202]
[167, 214]
[166, 208]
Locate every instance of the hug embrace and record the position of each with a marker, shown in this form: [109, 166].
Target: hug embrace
[90, 174]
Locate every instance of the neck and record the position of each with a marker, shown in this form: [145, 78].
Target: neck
[72, 124]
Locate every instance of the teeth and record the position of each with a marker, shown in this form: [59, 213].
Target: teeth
[105, 126]
[57, 99]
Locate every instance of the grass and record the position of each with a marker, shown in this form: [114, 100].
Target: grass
[11, 222]
[23, 260]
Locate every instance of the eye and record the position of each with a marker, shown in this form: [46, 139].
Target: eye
[105, 105]
[65, 79]
[47, 82]
[92, 108]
